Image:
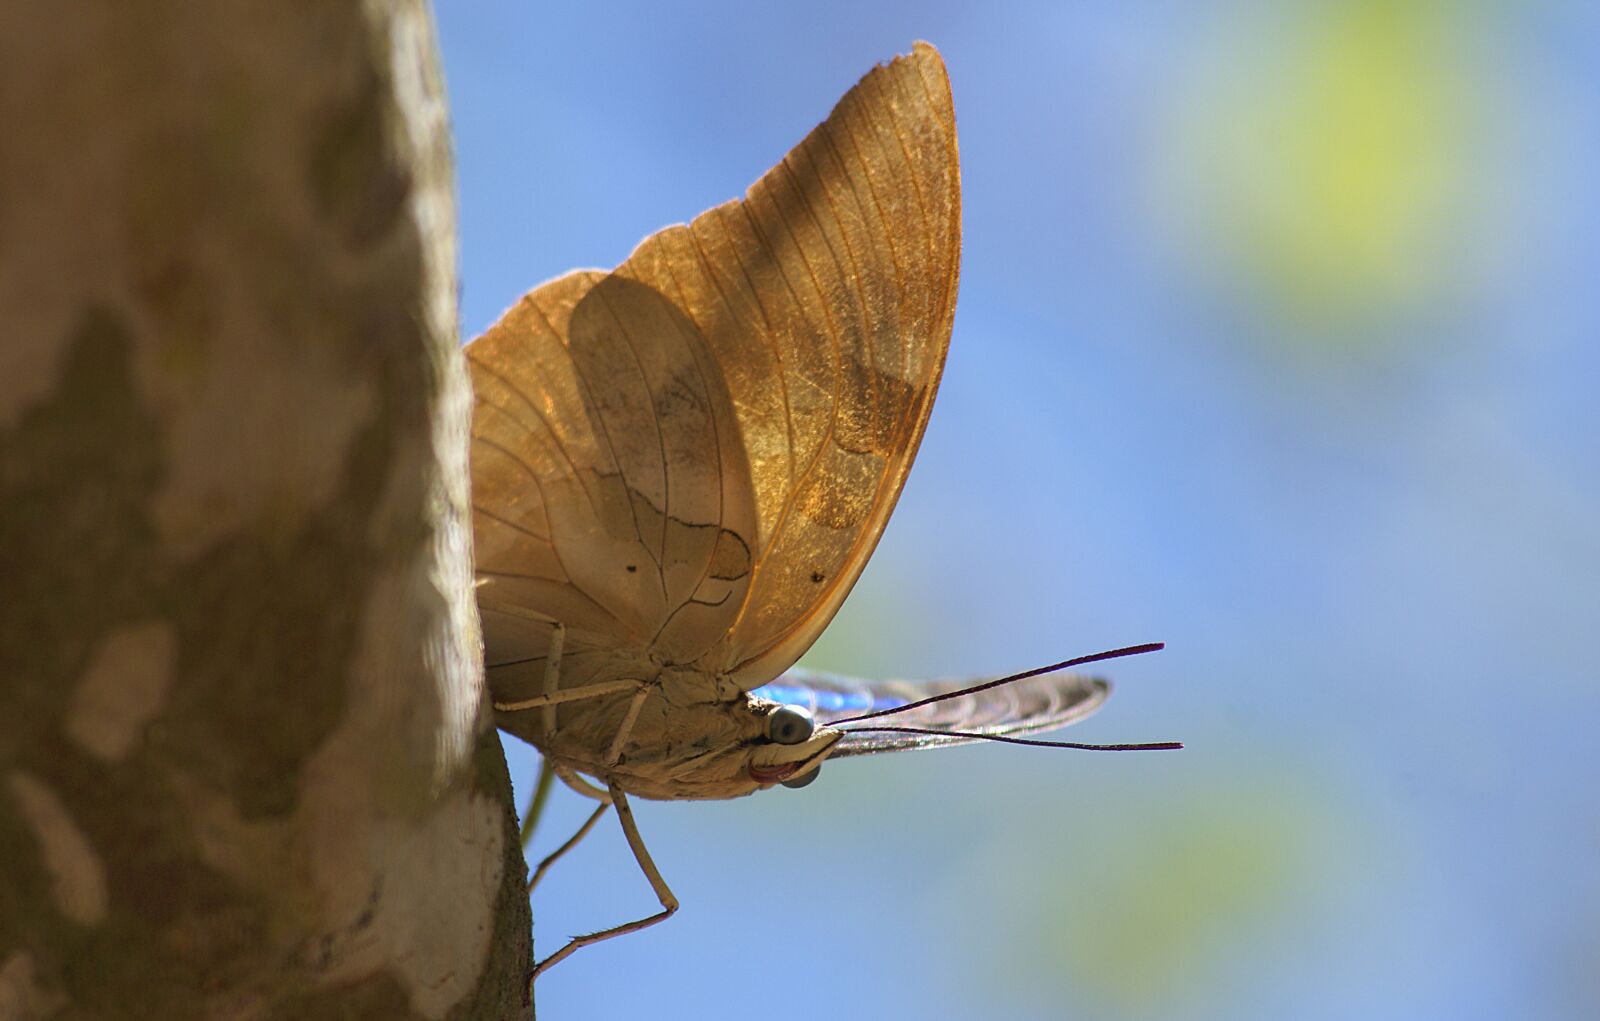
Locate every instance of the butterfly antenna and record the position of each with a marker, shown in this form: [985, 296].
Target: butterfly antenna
[1151, 746]
[1132, 650]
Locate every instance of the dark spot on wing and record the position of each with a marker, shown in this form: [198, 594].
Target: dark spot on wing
[730, 558]
[816, 576]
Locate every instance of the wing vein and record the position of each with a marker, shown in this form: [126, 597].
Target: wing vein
[862, 538]
[853, 272]
[554, 436]
[661, 443]
[555, 547]
[530, 533]
[789, 502]
[768, 334]
[603, 434]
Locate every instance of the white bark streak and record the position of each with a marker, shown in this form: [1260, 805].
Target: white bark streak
[77, 875]
[122, 690]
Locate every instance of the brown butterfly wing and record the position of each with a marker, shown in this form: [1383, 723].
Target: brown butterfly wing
[826, 297]
[610, 488]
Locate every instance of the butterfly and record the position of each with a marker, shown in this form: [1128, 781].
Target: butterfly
[681, 466]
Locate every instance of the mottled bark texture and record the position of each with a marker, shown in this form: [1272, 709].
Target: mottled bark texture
[246, 769]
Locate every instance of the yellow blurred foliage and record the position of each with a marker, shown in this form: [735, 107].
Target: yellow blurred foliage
[1163, 905]
[1325, 159]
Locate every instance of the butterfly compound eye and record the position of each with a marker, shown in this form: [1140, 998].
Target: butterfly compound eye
[789, 725]
[803, 778]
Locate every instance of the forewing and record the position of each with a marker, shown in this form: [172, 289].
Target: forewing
[1027, 706]
[826, 296]
[610, 490]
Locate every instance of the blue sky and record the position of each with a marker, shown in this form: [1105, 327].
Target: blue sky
[1276, 341]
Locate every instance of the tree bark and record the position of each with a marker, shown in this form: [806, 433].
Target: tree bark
[246, 764]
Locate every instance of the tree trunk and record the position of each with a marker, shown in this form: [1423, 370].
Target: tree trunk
[246, 764]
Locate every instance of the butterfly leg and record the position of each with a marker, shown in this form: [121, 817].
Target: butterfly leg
[547, 720]
[583, 831]
[570, 695]
[580, 785]
[620, 742]
[669, 903]
[541, 792]
[547, 770]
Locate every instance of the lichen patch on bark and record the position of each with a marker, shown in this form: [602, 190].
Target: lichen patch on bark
[77, 873]
[21, 994]
[122, 690]
[246, 459]
[436, 941]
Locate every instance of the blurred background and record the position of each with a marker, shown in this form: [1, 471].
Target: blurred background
[1277, 341]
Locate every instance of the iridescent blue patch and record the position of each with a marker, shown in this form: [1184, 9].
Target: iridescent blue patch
[826, 694]
[788, 694]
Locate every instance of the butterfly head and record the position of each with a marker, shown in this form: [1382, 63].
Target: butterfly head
[794, 748]
[690, 743]
[726, 749]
